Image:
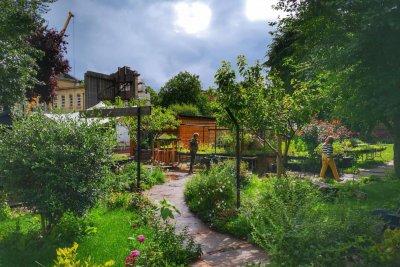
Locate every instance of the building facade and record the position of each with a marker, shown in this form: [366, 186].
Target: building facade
[70, 94]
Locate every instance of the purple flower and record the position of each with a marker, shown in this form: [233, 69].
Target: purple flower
[141, 238]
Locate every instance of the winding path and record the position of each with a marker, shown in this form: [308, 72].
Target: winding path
[218, 249]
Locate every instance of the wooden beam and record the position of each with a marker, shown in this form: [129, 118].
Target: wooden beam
[117, 112]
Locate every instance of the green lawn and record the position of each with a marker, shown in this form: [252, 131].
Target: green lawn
[380, 193]
[109, 243]
[386, 156]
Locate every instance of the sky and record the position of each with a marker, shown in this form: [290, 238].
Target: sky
[160, 38]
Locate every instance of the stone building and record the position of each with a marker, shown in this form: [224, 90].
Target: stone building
[70, 94]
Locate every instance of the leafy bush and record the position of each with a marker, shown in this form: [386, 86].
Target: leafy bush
[115, 200]
[317, 130]
[292, 223]
[68, 257]
[125, 179]
[338, 149]
[55, 166]
[213, 192]
[5, 210]
[185, 109]
[388, 251]
[169, 248]
[166, 246]
[71, 228]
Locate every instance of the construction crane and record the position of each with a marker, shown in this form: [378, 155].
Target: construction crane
[70, 15]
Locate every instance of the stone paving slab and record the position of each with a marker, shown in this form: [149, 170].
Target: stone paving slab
[218, 249]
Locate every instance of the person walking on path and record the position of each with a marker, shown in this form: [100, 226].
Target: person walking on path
[327, 159]
[193, 147]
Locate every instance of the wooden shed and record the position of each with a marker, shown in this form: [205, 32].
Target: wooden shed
[203, 125]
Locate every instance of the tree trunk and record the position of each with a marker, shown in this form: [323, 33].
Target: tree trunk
[280, 168]
[43, 223]
[264, 155]
[396, 156]
[394, 129]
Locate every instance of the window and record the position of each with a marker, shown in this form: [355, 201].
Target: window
[55, 101]
[78, 99]
[63, 101]
[71, 100]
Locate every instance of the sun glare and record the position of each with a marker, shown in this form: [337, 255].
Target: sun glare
[193, 17]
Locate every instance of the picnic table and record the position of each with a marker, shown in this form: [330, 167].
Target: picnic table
[370, 153]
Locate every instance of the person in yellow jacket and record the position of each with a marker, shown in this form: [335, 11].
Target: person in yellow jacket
[327, 159]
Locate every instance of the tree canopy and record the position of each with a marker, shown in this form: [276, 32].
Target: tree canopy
[349, 49]
[183, 88]
[53, 46]
[18, 20]
[260, 103]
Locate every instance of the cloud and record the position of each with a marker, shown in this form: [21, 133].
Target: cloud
[143, 34]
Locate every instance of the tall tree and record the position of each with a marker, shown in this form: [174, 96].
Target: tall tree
[353, 45]
[53, 46]
[18, 20]
[184, 88]
[261, 105]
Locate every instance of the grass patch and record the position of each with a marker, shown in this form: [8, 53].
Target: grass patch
[371, 193]
[27, 247]
[111, 240]
[385, 156]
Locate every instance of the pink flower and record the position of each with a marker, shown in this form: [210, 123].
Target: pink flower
[141, 238]
[134, 254]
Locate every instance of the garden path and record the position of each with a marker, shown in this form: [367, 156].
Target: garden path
[218, 249]
[379, 171]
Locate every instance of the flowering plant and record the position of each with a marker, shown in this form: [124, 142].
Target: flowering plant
[317, 130]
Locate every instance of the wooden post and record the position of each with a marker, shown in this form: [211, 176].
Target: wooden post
[139, 148]
[123, 112]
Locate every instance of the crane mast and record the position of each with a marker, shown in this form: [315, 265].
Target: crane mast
[70, 15]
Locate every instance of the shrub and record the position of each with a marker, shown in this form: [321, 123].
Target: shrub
[185, 109]
[68, 257]
[54, 166]
[126, 178]
[292, 223]
[316, 131]
[338, 149]
[157, 175]
[115, 200]
[71, 228]
[388, 251]
[166, 246]
[214, 191]
[169, 248]
[5, 210]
